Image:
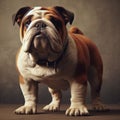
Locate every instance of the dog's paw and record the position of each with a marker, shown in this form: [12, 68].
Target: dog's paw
[25, 109]
[52, 107]
[77, 111]
[100, 107]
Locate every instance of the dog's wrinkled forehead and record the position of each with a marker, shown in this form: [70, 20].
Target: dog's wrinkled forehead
[36, 11]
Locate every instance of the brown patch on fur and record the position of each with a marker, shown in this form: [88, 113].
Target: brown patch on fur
[21, 79]
[57, 20]
[88, 55]
[17, 59]
[75, 30]
[82, 79]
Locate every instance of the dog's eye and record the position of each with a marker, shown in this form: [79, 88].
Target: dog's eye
[27, 23]
[56, 22]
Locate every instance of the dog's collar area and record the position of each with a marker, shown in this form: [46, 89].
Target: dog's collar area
[46, 63]
[55, 63]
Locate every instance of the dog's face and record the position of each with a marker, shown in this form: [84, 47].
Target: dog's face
[43, 31]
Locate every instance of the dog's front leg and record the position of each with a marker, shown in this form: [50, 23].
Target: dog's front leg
[78, 94]
[29, 90]
[55, 103]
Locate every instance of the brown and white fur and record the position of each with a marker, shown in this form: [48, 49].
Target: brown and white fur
[69, 60]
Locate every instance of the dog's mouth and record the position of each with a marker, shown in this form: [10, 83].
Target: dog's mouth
[39, 43]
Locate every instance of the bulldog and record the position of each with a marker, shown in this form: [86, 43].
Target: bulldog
[60, 58]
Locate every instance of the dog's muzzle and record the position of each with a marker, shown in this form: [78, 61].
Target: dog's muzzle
[35, 38]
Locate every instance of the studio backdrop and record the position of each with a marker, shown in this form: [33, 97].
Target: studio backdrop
[97, 19]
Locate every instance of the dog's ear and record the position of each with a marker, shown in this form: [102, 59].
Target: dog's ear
[19, 15]
[67, 15]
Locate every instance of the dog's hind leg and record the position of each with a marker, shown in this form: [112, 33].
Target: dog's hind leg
[95, 80]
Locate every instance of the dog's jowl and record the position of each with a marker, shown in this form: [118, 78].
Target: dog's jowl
[57, 57]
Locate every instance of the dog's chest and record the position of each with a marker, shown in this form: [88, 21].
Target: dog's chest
[28, 70]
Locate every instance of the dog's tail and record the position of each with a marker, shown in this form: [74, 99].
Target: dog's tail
[75, 30]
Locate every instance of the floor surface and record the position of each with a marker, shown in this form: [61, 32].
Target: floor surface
[7, 113]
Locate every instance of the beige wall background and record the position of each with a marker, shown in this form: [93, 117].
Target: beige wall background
[98, 19]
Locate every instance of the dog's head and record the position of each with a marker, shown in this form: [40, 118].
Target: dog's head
[43, 30]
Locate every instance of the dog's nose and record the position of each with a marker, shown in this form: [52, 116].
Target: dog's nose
[40, 25]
